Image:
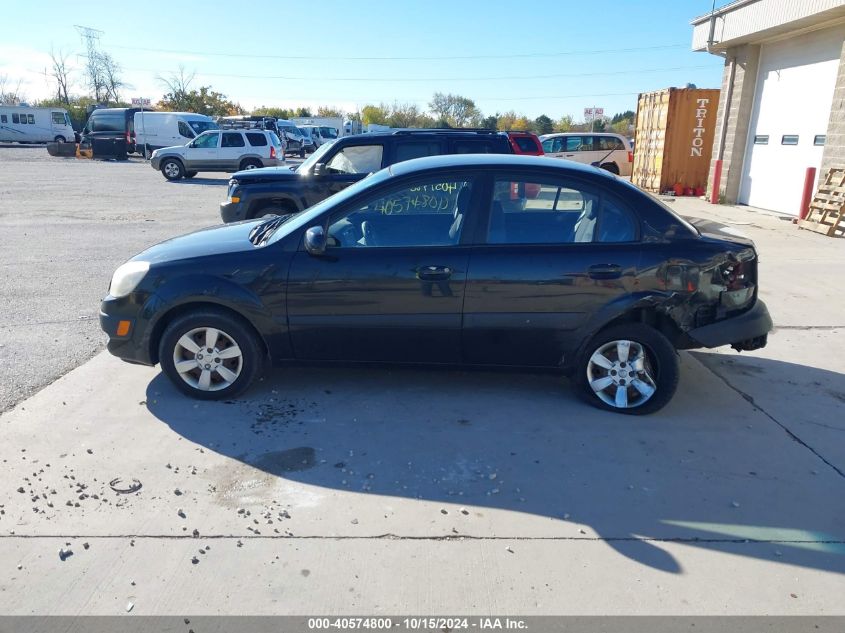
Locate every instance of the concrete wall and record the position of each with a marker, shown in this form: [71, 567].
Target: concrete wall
[738, 119]
[834, 147]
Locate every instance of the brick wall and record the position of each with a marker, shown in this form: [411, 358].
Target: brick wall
[738, 119]
[834, 146]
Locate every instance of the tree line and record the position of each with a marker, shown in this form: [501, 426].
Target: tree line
[103, 77]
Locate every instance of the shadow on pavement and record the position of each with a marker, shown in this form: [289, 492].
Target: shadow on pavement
[201, 181]
[707, 471]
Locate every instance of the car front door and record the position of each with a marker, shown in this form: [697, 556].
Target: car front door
[555, 252]
[201, 153]
[341, 168]
[554, 147]
[390, 285]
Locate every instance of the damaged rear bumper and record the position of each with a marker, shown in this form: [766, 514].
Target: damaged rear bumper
[747, 331]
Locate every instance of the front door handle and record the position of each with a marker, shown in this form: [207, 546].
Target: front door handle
[605, 271]
[434, 273]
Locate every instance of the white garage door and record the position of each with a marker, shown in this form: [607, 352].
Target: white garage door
[791, 110]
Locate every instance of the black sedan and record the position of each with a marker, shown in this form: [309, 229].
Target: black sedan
[483, 260]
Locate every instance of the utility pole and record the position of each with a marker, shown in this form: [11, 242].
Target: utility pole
[91, 37]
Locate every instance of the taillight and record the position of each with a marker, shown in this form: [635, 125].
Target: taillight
[630, 157]
[128, 140]
[272, 151]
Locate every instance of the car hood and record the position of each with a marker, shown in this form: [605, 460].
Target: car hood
[719, 231]
[173, 149]
[275, 174]
[215, 240]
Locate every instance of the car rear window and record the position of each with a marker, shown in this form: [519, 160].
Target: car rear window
[525, 143]
[256, 140]
[107, 123]
[232, 139]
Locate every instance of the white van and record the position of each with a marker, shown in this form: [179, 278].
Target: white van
[612, 152]
[35, 125]
[166, 129]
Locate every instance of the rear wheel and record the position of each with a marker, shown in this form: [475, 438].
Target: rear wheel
[611, 167]
[210, 355]
[250, 163]
[628, 368]
[279, 208]
[172, 169]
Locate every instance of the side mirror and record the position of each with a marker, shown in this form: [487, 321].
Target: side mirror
[315, 241]
[319, 169]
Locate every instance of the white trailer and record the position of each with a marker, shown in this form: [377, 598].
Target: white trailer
[23, 124]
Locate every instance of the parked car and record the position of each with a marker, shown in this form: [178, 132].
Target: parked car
[110, 124]
[23, 124]
[294, 141]
[220, 150]
[337, 164]
[612, 152]
[308, 142]
[525, 143]
[315, 134]
[435, 261]
[158, 130]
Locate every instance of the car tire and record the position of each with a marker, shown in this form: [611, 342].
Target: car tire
[611, 167]
[250, 163]
[302, 153]
[629, 368]
[190, 174]
[172, 169]
[221, 377]
[59, 139]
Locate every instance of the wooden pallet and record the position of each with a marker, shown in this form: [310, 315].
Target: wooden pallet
[827, 210]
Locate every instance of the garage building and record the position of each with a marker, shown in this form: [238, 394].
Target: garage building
[783, 89]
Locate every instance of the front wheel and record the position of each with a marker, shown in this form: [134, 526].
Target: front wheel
[172, 169]
[629, 368]
[59, 139]
[210, 355]
[611, 167]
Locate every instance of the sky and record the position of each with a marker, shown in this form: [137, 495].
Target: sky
[552, 57]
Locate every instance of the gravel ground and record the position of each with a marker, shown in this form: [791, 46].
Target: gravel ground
[67, 223]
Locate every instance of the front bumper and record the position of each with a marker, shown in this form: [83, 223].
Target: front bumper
[132, 346]
[746, 331]
[232, 211]
[155, 161]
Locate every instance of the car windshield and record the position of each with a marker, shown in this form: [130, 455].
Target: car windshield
[303, 218]
[290, 129]
[314, 158]
[203, 126]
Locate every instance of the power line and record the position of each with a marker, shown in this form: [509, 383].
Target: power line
[395, 58]
[430, 79]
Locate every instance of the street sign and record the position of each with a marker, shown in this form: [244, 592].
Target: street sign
[599, 111]
[141, 101]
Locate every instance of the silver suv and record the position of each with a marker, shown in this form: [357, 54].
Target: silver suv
[220, 150]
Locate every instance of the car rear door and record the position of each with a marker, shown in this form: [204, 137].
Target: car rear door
[390, 286]
[232, 148]
[553, 253]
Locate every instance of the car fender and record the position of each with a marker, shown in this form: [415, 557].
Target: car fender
[182, 291]
[257, 195]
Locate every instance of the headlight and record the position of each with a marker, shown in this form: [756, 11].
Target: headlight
[126, 278]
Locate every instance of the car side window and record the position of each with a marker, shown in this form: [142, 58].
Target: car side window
[256, 139]
[357, 159]
[474, 147]
[430, 212]
[406, 150]
[573, 143]
[185, 130]
[555, 211]
[548, 143]
[587, 144]
[30, 119]
[58, 118]
[232, 139]
[208, 140]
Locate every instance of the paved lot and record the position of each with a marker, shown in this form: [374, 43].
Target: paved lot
[408, 491]
[67, 224]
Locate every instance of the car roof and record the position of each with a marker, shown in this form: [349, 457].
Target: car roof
[556, 134]
[517, 161]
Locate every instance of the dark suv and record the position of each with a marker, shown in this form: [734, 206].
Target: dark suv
[110, 125]
[337, 164]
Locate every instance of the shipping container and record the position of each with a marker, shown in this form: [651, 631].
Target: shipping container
[673, 139]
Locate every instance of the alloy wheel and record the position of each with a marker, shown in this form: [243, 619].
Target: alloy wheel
[208, 359]
[621, 374]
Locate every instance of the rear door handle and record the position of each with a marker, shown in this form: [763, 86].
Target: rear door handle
[434, 273]
[605, 271]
